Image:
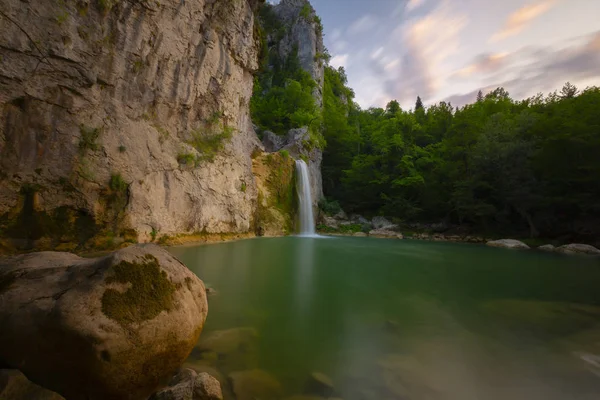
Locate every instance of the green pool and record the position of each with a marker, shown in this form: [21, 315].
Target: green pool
[397, 319]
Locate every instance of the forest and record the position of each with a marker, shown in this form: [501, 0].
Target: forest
[529, 168]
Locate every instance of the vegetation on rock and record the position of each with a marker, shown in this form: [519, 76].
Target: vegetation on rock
[150, 293]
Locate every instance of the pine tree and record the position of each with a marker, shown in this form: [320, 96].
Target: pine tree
[569, 91]
[419, 104]
[479, 96]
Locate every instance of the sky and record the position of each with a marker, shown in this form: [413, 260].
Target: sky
[448, 50]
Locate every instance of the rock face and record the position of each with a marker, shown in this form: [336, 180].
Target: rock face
[15, 386]
[114, 327]
[294, 144]
[302, 37]
[305, 35]
[576, 248]
[508, 244]
[277, 199]
[125, 116]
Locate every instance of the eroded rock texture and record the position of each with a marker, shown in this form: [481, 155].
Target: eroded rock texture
[126, 119]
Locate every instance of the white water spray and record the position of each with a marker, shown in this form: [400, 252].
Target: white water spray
[307, 221]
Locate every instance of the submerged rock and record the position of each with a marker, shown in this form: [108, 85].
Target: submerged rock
[320, 384]
[255, 384]
[15, 386]
[508, 244]
[190, 385]
[576, 248]
[230, 350]
[547, 247]
[113, 327]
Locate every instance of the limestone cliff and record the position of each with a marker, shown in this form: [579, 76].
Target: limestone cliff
[125, 119]
[301, 36]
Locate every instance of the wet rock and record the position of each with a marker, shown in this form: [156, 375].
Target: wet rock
[508, 244]
[189, 385]
[577, 248]
[360, 234]
[15, 386]
[255, 384]
[320, 384]
[385, 234]
[113, 327]
[547, 247]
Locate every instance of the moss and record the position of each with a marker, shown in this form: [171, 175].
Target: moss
[6, 281]
[151, 292]
[89, 138]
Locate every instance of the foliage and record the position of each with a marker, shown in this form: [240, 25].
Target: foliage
[501, 166]
[329, 207]
[89, 138]
[283, 96]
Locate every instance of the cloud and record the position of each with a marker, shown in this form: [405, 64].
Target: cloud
[522, 18]
[413, 4]
[482, 64]
[340, 60]
[531, 70]
[422, 69]
[362, 25]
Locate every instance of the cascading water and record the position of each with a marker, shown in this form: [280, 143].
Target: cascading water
[307, 222]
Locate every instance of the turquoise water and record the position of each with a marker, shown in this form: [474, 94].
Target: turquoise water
[393, 319]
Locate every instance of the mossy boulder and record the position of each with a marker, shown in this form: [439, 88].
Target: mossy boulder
[115, 327]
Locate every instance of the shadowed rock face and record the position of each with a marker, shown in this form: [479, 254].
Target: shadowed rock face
[115, 327]
[92, 89]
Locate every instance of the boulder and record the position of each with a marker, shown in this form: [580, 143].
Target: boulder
[341, 215]
[255, 384]
[359, 219]
[15, 386]
[576, 248]
[330, 222]
[547, 247]
[320, 384]
[383, 223]
[508, 244]
[113, 327]
[360, 234]
[385, 234]
[190, 385]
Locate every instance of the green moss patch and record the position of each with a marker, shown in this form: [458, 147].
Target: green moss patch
[151, 292]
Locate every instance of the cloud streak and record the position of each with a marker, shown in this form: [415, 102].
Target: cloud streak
[522, 18]
[531, 70]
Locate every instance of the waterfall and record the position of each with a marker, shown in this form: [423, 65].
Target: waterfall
[307, 222]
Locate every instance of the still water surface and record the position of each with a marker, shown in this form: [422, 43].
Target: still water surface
[393, 319]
